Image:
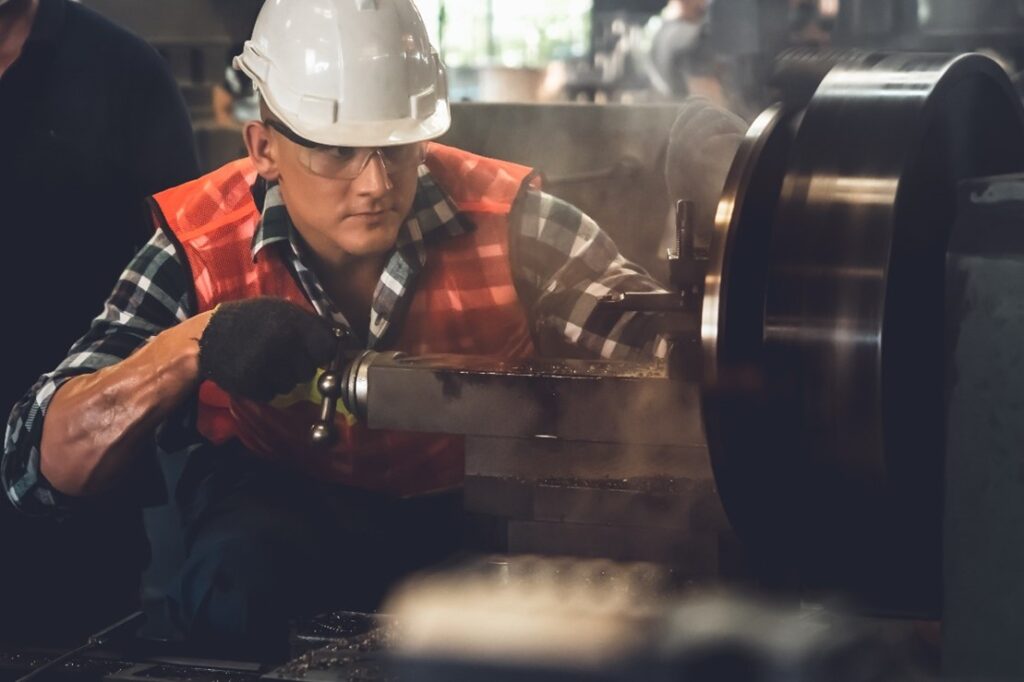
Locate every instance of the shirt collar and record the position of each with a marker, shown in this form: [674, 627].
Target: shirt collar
[433, 215]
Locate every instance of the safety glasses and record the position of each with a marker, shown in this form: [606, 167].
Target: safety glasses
[348, 163]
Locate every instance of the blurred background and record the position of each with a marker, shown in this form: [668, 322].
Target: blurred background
[603, 51]
[610, 75]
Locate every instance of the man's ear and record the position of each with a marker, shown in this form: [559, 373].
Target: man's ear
[262, 150]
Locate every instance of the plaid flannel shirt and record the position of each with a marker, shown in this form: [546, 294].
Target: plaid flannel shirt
[562, 262]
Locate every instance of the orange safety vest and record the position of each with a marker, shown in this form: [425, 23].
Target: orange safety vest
[465, 302]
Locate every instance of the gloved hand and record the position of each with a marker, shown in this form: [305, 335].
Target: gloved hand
[262, 347]
[701, 148]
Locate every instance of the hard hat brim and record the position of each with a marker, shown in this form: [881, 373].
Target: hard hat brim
[369, 133]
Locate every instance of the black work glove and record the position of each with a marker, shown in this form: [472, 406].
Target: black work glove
[258, 348]
[701, 148]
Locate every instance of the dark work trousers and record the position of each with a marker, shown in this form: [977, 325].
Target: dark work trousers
[266, 545]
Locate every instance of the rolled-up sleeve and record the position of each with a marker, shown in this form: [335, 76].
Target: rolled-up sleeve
[564, 264]
[151, 295]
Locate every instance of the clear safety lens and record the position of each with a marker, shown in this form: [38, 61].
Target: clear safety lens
[348, 163]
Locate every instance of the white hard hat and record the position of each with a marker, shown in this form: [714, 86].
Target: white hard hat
[353, 73]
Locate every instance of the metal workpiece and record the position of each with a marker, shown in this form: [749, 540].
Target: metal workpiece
[592, 401]
[354, 383]
[823, 320]
[856, 308]
[736, 270]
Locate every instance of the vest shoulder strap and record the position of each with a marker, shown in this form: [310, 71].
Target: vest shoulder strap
[478, 184]
[219, 198]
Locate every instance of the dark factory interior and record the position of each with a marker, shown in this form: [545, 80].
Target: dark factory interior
[480, 340]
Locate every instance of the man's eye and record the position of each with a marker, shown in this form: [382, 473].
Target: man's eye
[342, 153]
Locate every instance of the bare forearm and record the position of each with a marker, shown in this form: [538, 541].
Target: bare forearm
[96, 423]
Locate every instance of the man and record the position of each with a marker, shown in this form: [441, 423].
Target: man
[343, 217]
[91, 123]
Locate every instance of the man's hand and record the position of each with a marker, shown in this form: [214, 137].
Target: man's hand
[702, 145]
[262, 347]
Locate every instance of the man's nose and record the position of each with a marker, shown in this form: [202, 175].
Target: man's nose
[374, 179]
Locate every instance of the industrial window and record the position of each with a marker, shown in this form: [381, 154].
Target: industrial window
[525, 33]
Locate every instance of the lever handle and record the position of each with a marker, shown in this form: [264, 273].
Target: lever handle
[324, 433]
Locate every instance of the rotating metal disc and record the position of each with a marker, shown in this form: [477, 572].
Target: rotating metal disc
[823, 326]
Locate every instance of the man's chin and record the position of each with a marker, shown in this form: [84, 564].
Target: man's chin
[378, 242]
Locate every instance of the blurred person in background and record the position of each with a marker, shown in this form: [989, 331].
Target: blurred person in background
[681, 55]
[91, 123]
[234, 99]
[344, 229]
[809, 25]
